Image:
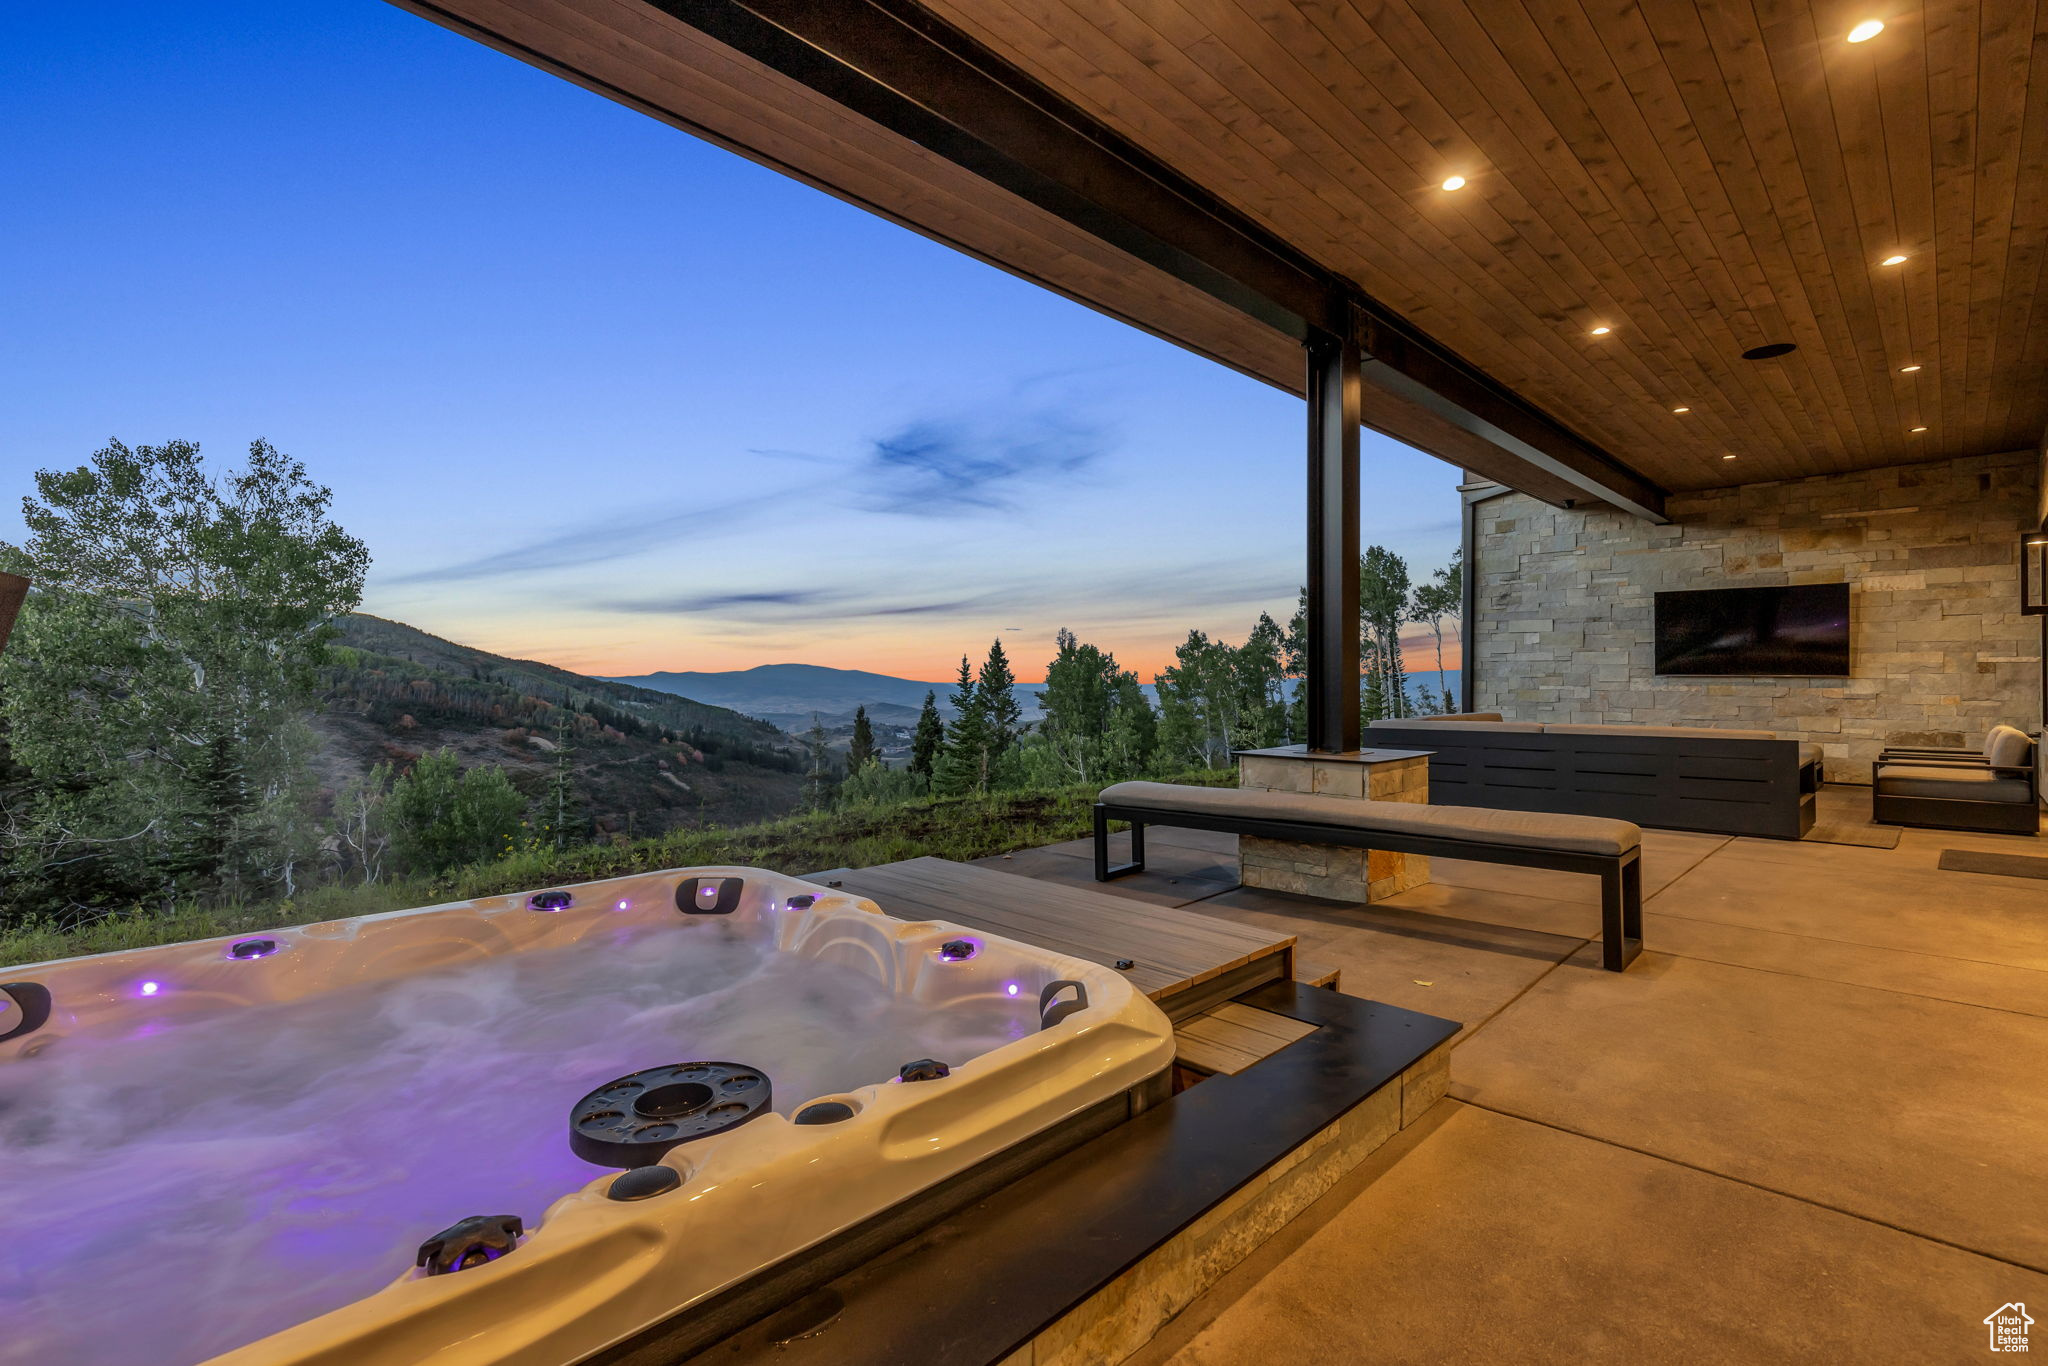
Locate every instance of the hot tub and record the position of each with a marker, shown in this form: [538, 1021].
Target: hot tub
[245, 1148]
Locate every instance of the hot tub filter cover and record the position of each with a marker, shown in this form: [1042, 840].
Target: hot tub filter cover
[632, 1120]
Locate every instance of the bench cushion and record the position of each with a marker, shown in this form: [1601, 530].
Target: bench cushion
[1951, 784]
[1663, 732]
[1808, 754]
[1523, 829]
[1447, 723]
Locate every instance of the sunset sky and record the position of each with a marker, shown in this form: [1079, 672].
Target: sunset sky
[598, 393]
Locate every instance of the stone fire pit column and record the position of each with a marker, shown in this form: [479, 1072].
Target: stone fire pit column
[1328, 870]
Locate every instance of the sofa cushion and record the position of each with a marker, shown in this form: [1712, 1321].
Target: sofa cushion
[1662, 732]
[2008, 747]
[1463, 716]
[1523, 829]
[1446, 723]
[1953, 784]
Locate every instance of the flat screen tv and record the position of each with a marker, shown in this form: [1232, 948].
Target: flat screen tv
[1802, 631]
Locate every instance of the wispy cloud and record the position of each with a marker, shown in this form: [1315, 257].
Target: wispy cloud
[695, 603]
[938, 467]
[612, 539]
[1133, 596]
[789, 605]
[928, 466]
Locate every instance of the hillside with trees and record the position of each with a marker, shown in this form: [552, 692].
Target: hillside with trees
[602, 758]
[189, 713]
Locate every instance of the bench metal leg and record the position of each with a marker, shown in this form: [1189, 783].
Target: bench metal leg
[1621, 914]
[1103, 871]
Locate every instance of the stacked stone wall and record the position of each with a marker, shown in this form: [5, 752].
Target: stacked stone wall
[1939, 651]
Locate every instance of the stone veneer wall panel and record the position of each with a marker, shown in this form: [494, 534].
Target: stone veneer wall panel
[1939, 651]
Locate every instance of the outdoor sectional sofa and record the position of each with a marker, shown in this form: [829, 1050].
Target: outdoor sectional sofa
[1724, 782]
[1996, 789]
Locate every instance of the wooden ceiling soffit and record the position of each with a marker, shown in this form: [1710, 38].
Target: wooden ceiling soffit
[883, 104]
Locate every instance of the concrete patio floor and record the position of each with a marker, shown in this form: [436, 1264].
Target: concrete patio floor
[1808, 1124]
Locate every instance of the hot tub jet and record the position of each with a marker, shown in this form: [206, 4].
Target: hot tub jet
[472, 1242]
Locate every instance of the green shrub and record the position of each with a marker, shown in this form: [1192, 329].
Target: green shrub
[442, 817]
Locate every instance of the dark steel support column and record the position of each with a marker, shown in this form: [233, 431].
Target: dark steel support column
[1468, 606]
[1332, 627]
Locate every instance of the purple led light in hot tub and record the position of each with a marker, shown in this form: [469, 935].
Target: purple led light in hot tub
[290, 1127]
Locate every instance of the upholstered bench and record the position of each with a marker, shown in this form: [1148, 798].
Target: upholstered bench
[1610, 850]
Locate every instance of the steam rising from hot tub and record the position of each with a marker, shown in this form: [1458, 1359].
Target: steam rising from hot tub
[194, 1177]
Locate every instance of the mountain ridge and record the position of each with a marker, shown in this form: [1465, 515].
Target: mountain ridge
[787, 694]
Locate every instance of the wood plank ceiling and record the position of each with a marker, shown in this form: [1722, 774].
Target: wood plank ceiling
[1700, 178]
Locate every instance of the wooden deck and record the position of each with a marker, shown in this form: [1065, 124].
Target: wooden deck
[1184, 962]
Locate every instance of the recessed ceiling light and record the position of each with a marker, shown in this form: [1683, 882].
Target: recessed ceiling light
[1681, 408]
[1728, 457]
[1907, 369]
[1602, 330]
[1456, 182]
[1895, 260]
[1866, 30]
[1919, 429]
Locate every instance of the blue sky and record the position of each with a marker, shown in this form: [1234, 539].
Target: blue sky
[596, 392]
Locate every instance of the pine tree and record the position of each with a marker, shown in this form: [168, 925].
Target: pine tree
[927, 742]
[817, 788]
[1002, 718]
[960, 766]
[560, 801]
[862, 751]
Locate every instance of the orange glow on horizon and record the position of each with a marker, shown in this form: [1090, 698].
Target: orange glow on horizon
[897, 656]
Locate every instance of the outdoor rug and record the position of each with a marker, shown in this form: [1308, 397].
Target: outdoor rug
[1854, 832]
[2005, 865]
